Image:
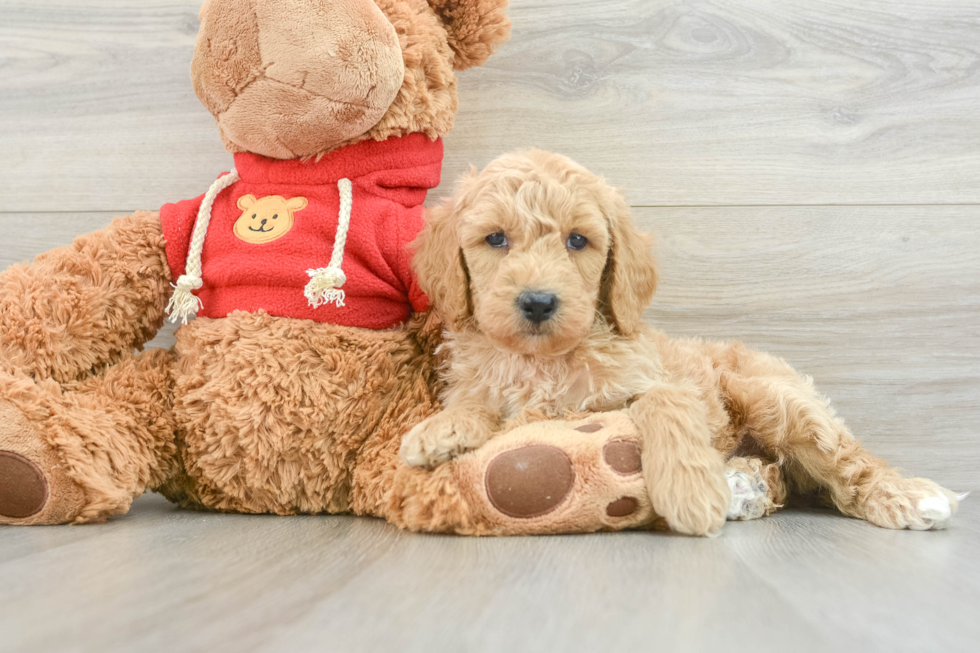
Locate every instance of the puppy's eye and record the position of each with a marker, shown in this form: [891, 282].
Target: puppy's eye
[255, 215]
[577, 242]
[497, 240]
[275, 217]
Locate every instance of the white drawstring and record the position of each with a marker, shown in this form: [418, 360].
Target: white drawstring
[325, 283]
[184, 304]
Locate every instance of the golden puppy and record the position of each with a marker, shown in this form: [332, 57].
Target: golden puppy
[542, 279]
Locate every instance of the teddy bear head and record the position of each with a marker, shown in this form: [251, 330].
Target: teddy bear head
[298, 78]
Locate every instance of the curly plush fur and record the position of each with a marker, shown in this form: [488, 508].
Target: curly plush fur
[508, 232]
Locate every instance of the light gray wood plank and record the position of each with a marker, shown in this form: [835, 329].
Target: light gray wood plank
[164, 579]
[881, 305]
[870, 590]
[25, 235]
[740, 101]
[724, 102]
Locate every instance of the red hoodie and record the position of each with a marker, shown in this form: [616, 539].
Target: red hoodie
[280, 220]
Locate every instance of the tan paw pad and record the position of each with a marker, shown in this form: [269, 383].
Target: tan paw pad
[622, 507]
[623, 457]
[530, 481]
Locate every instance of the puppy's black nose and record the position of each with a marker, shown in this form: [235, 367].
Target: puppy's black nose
[538, 306]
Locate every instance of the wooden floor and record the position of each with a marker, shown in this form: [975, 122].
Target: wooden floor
[812, 170]
[161, 579]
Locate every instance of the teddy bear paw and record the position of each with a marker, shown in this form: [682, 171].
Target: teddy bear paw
[560, 477]
[34, 488]
[23, 487]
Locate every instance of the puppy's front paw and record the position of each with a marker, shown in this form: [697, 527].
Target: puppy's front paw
[441, 438]
[694, 497]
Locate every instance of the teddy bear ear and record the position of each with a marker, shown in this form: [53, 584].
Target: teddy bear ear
[296, 203]
[475, 28]
[245, 202]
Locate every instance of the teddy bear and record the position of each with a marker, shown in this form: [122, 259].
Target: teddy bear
[306, 348]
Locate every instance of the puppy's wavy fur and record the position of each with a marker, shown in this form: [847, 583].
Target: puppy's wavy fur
[695, 403]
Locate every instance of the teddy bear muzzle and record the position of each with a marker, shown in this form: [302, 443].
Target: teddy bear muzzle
[293, 78]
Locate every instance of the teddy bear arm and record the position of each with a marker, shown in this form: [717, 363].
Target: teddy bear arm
[79, 308]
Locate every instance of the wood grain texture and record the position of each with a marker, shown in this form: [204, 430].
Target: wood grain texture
[741, 101]
[160, 579]
[881, 305]
[693, 103]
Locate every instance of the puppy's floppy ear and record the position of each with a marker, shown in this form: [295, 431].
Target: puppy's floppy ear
[438, 263]
[475, 28]
[630, 278]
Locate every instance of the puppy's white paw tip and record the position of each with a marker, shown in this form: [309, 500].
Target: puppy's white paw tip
[749, 496]
[413, 455]
[960, 497]
[413, 460]
[935, 511]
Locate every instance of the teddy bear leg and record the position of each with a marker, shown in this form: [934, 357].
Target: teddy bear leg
[82, 452]
[757, 486]
[547, 477]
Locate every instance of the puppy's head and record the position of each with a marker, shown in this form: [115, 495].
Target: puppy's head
[535, 250]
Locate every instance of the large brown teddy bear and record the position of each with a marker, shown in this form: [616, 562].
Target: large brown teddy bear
[312, 352]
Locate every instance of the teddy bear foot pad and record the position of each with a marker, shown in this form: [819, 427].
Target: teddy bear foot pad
[578, 476]
[23, 487]
[34, 486]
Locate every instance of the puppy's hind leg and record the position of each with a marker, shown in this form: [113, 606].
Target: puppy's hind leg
[794, 423]
[757, 487]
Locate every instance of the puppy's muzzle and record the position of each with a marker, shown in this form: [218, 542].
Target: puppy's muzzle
[537, 307]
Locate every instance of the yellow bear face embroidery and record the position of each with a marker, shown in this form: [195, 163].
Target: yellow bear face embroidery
[264, 220]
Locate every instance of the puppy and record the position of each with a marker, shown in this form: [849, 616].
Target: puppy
[542, 279]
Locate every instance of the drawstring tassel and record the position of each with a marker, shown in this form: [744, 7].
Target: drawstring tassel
[324, 287]
[183, 303]
[325, 283]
